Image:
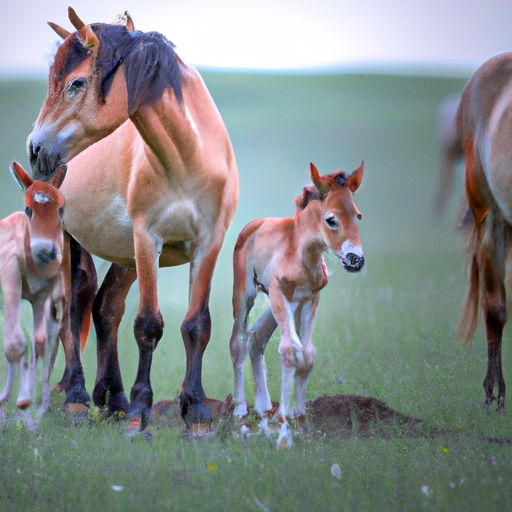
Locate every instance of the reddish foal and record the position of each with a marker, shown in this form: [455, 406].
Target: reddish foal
[283, 257]
[485, 129]
[31, 253]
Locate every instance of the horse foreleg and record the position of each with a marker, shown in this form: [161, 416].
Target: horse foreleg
[259, 334]
[80, 286]
[307, 322]
[195, 330]
[108, 310]
[148, 326]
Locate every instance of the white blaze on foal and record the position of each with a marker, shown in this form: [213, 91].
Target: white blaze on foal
[283, 257]
[31, 247]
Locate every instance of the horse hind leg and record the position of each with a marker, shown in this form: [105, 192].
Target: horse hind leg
[81, 286]
[259, 334]
[495, 314]
[238, 344]
[108, 310]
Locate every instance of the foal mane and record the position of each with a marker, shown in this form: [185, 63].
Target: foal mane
[150, 60]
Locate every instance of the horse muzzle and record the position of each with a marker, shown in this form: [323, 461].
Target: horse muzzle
[44, 162]
[352, 262]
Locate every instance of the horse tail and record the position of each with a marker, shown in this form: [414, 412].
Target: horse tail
[84, 328]
[479, 238]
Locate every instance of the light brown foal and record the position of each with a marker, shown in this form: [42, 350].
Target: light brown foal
[283, 258]
[31, 253]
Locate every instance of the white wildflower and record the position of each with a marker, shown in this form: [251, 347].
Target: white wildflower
[117, 488]
[336, 471]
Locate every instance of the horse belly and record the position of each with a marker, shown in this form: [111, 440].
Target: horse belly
[104, 230]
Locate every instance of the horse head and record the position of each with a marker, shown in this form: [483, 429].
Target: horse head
[44, 207]
[340, 214]
[102, 74]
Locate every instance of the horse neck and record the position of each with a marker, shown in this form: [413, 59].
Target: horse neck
[169, 131]
[308, 234]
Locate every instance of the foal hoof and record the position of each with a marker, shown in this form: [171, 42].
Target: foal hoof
[23, 404]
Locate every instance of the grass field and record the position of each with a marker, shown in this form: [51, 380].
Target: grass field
[387, 333]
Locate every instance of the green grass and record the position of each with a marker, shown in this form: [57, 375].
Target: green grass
[387, 333]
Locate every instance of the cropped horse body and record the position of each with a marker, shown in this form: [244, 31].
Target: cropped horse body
[31, 253]
[158, 188]
[484, 123]
[283, 257]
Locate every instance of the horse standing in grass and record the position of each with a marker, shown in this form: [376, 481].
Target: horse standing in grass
[283, 257]
[159, 188]
[484, 123]
[31, 252]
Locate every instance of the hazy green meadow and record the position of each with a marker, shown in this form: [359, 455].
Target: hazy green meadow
[388, 332]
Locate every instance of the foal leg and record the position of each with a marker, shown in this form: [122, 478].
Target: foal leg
[108, 310]
[81, 284]
[195, 330]
[259, 334]
[238, 349]
[495, 314]
[307, 322]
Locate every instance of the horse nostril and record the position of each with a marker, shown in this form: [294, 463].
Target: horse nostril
[353, 262]
[45, 255]
[34, 150]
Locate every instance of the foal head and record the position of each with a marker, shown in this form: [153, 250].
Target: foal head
[101, 74]
[44, 206]
[340, 214]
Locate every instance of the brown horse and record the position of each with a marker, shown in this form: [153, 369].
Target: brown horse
[31, 255]
[284, 258]
[159, 188]
[485, 128]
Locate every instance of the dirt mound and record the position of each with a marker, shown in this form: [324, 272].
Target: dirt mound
[327, 415]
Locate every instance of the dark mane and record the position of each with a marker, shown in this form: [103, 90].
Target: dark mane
[151, 63]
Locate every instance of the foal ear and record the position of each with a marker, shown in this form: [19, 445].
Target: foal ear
[308, 194]
[355, 179]
[61, 32]
[317, 179]
[21, 177]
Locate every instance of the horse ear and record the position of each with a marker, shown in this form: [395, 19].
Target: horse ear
[308, 194]
[75, 20]
[20, 176]
[89, 38]
[355, 179]
[129, 22]
[59, 175]
[317, 179]
[61, 32]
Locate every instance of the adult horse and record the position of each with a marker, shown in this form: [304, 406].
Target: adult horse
[484, 123]
[159, 188]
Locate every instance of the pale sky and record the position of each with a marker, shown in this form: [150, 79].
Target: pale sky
[279, 34]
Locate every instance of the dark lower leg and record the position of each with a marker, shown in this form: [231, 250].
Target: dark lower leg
[196, 334]
[83, 289]
[148, 331]
[495, 321]
[108, 311]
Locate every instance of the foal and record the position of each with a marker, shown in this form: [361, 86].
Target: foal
[31, 248]
[283, 257]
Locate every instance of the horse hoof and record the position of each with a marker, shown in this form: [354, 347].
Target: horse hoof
[78, 413]
[194, 412]
[23, 404]
[77, 396]
[118, 403]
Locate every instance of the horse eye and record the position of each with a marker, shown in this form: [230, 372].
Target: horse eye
[359, 216]
[28, 212]
[76, 86]
[331, 222]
